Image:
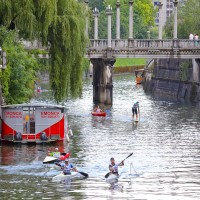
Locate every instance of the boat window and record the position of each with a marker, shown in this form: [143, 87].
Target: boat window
[29, 120]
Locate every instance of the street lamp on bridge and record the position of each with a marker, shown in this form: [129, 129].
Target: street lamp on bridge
[109, 14]
[96, 15]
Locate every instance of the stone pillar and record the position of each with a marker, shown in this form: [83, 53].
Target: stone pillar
[196, 71]
[148, 35]
[86, 20]
[96, 15]
[131, 19]
[102, 80]
[109, 14]
[175, 18]
[160, 21]
[118, 21]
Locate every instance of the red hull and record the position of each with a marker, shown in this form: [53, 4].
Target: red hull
[101, 114]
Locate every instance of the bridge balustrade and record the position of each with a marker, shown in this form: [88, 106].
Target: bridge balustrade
[140, 43]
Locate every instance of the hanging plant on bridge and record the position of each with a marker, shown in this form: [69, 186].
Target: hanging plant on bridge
[60, 24]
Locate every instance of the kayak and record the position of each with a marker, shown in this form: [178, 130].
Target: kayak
[61, 176]
[112, 178]
[102, 114]
[52, 159]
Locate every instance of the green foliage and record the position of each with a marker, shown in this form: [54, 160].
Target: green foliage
[60, 23]
[17, 79]
[143, 18]
[184, 70]
[125, 62]
[188, 20]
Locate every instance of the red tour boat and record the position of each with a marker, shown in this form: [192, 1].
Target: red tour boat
[38, 123]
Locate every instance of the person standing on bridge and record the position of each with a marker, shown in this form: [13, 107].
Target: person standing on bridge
[136, 110]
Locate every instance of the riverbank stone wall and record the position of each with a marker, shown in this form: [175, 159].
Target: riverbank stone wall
[172, 79]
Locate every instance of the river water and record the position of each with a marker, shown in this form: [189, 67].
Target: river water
[165, 144]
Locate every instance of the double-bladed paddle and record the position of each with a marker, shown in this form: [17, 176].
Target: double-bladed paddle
[82, 173]
[106, 176]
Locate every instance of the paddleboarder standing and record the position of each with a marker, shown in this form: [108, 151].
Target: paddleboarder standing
[136, 110]
[114, 167]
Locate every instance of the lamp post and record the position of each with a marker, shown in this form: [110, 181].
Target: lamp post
[118, 20]
[109, 14]
[160, 21]
[96, 15]
[2, 59]
[148, 35]
[131, 19]
[175, 18]
[86, 20]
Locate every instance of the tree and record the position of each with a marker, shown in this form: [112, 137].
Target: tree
[17, 80]
[143, 18]
[188, 20]
[60, 24]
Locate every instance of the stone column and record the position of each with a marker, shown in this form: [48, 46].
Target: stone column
[86, 20]
[96, 15]
[131, 19]
[148, 35]
[118, 21]
[175, 18]
[102, 80]
[109, 14]
[160, 21]
[195, 66]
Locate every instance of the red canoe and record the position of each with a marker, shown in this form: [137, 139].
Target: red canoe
[102, 114]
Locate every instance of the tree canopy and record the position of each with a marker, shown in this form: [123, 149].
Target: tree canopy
[144, 14]
[60, 24]
[17, 80]
[188, 20]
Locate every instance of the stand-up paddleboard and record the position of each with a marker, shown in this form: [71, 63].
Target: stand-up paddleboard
[112, 178]
[61, 176]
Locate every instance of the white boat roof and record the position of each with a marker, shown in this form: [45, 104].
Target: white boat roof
[41, 105]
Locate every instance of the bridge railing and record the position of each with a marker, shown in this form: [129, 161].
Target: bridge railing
[153, 44]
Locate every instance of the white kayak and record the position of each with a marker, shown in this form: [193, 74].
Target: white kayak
[112, 178]
[49, 159]
[61, 176]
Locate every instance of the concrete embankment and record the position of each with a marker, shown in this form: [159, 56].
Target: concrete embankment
[172, 79]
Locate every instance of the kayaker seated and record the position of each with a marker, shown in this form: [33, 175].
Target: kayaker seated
[67, 167]
[56, 153]
[114, 167]
[97, 110]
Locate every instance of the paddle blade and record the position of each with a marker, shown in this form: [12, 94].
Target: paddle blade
[107, 175]
[84, 174]
[129, 155]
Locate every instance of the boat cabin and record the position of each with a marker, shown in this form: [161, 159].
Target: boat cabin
[39, 123]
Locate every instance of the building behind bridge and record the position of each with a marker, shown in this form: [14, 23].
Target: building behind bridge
[167, 9]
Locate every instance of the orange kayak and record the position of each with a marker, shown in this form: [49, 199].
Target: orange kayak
[102, 114]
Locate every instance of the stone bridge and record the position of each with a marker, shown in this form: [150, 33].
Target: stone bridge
[135, 48]
[103, 52]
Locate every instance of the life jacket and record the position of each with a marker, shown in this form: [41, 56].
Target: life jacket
[135, 105]
[114, 167]
[67, 168]
[56, 154]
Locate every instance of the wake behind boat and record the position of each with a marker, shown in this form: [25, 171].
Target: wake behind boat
[112, 178]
